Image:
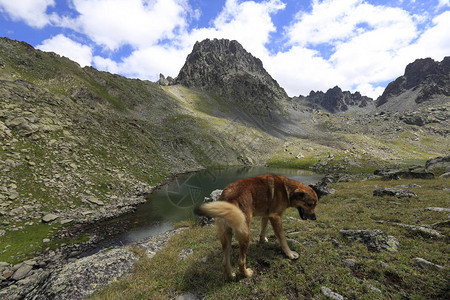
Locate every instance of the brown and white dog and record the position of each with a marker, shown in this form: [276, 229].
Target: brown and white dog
[267, 196]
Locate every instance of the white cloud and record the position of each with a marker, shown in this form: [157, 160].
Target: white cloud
[150, 60]
[32, 12]
[443, 3]
[301, 70]
[434, 42]
[64, 46]
[366, 44]
[146, 63]
[364, 40]
[139, 23]
[106, 64]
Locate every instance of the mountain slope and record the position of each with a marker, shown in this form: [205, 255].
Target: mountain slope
[226, 68]
[424, 82]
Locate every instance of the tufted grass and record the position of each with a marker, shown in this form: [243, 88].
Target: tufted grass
[377, 275]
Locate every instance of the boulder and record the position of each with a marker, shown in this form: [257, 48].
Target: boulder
[398, 193]
[214, 196]
[375, 240]
[22, 272]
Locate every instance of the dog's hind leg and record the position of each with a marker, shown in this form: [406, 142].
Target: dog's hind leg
[225, 233]
[262, 234]
[244, 241]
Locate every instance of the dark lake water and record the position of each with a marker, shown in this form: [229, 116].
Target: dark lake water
[175, 201]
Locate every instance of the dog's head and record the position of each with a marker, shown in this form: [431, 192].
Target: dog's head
[305, 200]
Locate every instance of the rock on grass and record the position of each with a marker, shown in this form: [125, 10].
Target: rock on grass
[398, 193]
[49, 218]
[425, 264]
[375, 240]
[330, 294]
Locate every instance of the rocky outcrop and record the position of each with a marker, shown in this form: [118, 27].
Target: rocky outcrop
[395, 173]
[437, 164]
[226, 68]
[426, 77]
[165, 81]
[335, 100]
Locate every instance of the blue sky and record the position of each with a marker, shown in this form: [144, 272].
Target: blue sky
[305, 45]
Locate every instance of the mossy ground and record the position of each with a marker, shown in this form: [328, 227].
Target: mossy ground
[377, 275]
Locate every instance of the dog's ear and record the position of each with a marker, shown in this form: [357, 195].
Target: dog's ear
[298, 195]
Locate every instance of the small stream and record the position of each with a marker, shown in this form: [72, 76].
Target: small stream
[175, 201]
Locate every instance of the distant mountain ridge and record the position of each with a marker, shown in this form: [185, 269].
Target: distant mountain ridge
[335, 100]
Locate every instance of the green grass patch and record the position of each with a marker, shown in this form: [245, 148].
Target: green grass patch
[17, 246]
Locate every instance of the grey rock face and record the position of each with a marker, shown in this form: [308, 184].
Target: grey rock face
[226, 68]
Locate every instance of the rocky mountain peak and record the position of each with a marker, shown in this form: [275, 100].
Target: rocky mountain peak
[226, 68]
[425, 77]
[335, 100]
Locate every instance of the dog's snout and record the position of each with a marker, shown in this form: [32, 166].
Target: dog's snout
[313, 217]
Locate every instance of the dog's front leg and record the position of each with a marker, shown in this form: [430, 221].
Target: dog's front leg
[262, 234]
[278, 228]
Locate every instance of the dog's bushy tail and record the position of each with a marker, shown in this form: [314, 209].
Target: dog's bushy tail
[233, 216]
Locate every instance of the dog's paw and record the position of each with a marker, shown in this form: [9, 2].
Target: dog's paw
[293, 255]
[248, 272]
[263, 240]
[231, 276]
